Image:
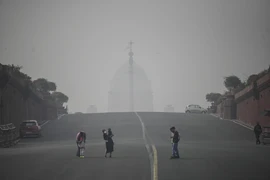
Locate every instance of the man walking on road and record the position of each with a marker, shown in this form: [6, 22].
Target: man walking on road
[175, 138]
[258, 131]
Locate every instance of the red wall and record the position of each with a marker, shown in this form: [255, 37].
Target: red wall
[250, 110]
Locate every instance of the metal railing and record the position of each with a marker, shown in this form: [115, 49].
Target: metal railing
[9, 135]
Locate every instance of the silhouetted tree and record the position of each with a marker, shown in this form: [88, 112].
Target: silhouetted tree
[252, 78]
[43, 85]
[232, 82]
[60, 98]
[213, 97]
[16, 71]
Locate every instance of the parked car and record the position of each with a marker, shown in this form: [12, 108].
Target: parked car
[30, 128]
[193, 108]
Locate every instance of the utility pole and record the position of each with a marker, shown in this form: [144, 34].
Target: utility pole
[131, 92]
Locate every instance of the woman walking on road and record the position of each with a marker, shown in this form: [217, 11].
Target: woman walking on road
[80, 141]
[109, 142]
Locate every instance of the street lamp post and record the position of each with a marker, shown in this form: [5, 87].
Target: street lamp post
[131, 92]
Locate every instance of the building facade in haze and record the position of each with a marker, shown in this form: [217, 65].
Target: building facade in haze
[169, 108]
[92, 109]
[130, 89]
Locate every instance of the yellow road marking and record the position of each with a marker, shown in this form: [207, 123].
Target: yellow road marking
[154, 160]
[155, 163]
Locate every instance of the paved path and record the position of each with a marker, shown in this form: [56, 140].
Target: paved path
[210, 149]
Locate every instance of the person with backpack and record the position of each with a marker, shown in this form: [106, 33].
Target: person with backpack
[80, 140]
[258, 131]
[175, 138]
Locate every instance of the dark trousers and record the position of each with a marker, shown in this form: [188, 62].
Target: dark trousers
[258, 139]
[78, 152]
[175, 152]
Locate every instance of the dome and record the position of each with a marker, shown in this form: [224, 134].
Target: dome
[120, 96]
[120, 81]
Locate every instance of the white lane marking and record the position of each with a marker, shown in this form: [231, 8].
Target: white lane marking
[243, 125]
[143, 126]
[152, 156]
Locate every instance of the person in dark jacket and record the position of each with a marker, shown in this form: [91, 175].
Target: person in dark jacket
[107, 136]
[110, 135]
[258, 132]
[175, 138]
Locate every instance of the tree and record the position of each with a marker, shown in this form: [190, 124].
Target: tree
[52, 86]
[16, 71]
[60, 98]
[232, 82]
[15, 67]
[44, 85]
[252, 78]
[213, 97]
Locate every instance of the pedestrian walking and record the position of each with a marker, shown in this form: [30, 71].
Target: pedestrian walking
[80, 140]
[175, 138]
[258, 131]
[107, 136]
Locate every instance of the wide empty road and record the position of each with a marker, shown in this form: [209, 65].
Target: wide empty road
[210, 149]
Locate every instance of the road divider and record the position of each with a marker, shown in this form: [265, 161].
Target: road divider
[155, 165]
[151, 149]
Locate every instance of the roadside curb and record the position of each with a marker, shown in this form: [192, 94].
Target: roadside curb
[241, 123]
[59, 117]
[44, 122]
[217, 116]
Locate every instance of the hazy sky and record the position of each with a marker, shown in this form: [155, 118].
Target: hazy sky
[185, 46]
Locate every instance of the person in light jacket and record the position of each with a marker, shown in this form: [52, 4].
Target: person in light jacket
[80, 140]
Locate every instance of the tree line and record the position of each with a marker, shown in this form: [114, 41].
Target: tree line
[234, 83]
[46, 88]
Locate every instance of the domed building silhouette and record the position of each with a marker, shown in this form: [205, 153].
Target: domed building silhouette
[130, 89]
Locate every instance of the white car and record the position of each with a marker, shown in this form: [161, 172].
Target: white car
[193, 108]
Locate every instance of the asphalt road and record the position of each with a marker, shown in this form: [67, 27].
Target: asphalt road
[210, 149]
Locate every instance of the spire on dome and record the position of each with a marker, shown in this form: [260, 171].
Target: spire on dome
[130, 53]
